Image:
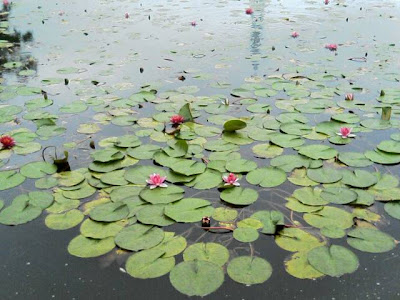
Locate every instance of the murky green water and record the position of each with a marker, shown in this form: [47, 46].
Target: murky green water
[226, 49]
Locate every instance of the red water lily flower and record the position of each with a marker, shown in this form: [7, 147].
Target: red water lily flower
[295, 34]
[349, 97]
[249, 11]
[177, 119]
[156, 180]
[7, 141]
[326, 2]
[193, 23]
[231, 179]
[345, 132]
[332, 47]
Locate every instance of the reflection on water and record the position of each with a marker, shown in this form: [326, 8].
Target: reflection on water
[256, 36]
[14, 53]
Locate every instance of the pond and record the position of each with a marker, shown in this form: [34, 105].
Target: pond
[275, 122]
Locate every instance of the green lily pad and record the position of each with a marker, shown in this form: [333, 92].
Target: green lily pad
[296, 239]
[393, 209]
[19, 212]
[208, 180]
[299, 267]
[223, 214]
[149, 264]
[370, 240]
[153, 215]
[210, 252]
[65, 220]
[240, 165]
[172, 245]
[239, 196]
[249, 270]
[38, 169]
[318, 151]
[338, 195]
[329, 216]
[381, 157]
[233, 125]
[10, 179]
[324, 175]
[138, 237]
[270, 220]
[139, 174]
[354, 159]
[188, 210]
[266, 177]
[100, 230]
[166, 195]
[188, 167]
[196, 278]
[109, 212]
[359, 178]
[309, 196]
[245, 234]
[81, 246]
[334, 261]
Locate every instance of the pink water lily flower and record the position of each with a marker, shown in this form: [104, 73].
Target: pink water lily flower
[332, 47]
[126, 15]
[326, 2]
[156, 180]
[295, 34]
[6, 3]
[231, 179]
[177, 119]
[249, 11]
[193, 23]
[345, 132]
[349, 97]
[7, 142]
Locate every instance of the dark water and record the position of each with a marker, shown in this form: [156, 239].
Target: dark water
[228, 47]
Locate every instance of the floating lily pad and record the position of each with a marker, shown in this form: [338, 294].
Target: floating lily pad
[338, 195]
[38, 169]
[299, 267]
[188, 210]
[318, 151]
[210, 252]
[249, 270]
[239, 196]
[245, 234]
[324, 175]
[138, 237]
[153, 215]
[223, 214]
[149, 264]
[270, 220]
[109, 212]
[196, 278]
[329, 216]
[160, 195]
[370, 240]
[359, 178]
[64, 221]
[10, 179]
[296, 239]
[333, 261]
[85, 247]
[267, 177]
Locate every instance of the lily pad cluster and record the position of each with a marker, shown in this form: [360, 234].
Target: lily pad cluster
[279, 134]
